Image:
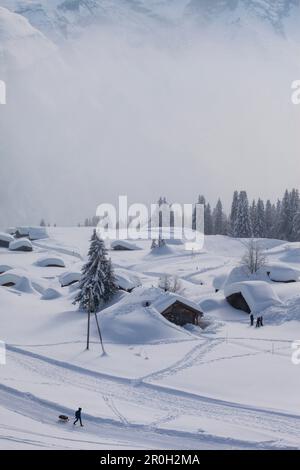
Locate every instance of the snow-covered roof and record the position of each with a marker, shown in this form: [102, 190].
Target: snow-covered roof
[20, 243]
[51, 261]
[282, 273]
[124, 244]
[126, 280]
[17, 277]
[259, 295]
[4, 268]
[34, 233]
[69, 278]
[23, 230]
[6, 237]
[166, 299]
[37, 233]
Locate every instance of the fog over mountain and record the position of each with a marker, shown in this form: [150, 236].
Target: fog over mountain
[109, 97]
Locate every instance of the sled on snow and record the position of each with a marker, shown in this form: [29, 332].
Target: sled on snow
[63, 418]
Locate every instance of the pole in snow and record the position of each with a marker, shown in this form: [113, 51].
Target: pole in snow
[88, 331]
[100, 335]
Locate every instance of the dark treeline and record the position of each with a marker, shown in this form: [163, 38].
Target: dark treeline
[259, 219]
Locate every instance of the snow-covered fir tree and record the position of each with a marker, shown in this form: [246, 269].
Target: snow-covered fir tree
[208, 220]
[259, 223]
[233, 213]
[285, 220]
[296, 226]
[269, 219]
[218, 218]
[97, 284]
[242, 228]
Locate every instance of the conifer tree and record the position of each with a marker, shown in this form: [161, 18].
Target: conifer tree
[243, 228]
[97, 277]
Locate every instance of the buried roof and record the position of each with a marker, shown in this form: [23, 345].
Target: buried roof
[4, 268]
[6, 237]
[166, 299]
[123, 245]
[126, 280]
[16, 278]
[22, 244]
[51, 261]
[34, 233]
[69, 278]
[258, 295]
[281, 273]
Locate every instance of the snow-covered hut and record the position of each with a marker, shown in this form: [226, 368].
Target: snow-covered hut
[178, 309]
[5, 239]
[23, 244]
[123, 245]
[251, 296]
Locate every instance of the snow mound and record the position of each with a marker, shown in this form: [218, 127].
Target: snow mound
[129, 321]
[4, 268]
[123, 245]
[51, 294]
[259, 295]
[18, 280]
[21, 245]
[11, 230]
[34, 233]
[51, 262]
[126, 280]
[5, 239]
[282, 273]
[290, 311]
[37, 233]
[69, 278]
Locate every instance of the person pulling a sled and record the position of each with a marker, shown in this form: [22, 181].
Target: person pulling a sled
[78, 417]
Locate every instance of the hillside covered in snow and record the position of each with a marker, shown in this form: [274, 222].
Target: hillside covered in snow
[222, 385]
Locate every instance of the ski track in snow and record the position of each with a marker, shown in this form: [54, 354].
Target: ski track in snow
[283, 428]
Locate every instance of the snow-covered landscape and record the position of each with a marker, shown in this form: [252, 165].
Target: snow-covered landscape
[227, 386]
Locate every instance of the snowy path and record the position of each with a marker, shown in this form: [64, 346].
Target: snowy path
[282, 429]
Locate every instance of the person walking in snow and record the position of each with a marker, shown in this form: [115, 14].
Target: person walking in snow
[251, 319]
[257, 325]
[78, 417]
[261, 321]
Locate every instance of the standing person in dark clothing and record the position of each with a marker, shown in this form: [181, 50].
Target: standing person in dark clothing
[251, 319]
[257, 325]
[261, 321]
[78, 416]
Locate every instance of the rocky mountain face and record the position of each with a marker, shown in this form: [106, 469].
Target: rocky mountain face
[59, 19]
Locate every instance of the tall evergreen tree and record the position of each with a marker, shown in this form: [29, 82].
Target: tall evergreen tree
[218, 219]
[201, 200]
[259, 228]
[208, 220]
[285, 220]
[233, 213]
[296, 227]
[97, 284]
[243, 228]
[269, 219]
[253, 215]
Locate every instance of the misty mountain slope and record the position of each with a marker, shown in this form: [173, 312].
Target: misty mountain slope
[61, 18]
[20, 44]
[271, 12]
